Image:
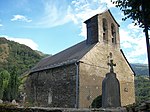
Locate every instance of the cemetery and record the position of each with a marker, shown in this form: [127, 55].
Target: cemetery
[91, 76]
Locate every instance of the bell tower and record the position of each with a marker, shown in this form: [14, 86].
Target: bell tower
[103, 28]
[92, 30]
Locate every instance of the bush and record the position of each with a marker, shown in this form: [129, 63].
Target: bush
[97, 102]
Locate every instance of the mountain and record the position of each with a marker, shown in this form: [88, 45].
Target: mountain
[13, 54]
[140, 69]
[42, 54]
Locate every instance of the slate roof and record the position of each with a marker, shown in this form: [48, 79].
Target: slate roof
[68, 56]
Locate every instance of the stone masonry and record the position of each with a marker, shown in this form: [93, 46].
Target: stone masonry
[59, 83]
[73, 77]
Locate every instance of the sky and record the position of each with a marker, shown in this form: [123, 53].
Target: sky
[51, 26]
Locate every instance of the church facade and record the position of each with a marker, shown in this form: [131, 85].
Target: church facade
[73, 78]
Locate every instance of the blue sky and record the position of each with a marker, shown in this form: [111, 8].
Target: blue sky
[51, 26]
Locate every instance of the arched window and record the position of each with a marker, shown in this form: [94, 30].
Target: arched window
[113, 33]
[105, 30]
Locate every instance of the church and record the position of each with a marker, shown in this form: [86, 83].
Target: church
[73, 78]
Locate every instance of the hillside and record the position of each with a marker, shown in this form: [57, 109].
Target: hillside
[140, 69]
[13, 54]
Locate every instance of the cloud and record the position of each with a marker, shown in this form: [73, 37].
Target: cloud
[28, 42]
[1, 25]
[58, 13]
[133, 27]
[126, 45]
[108, 3]
[20, 18]
[85, 9]
[134, 45]
[55, 14]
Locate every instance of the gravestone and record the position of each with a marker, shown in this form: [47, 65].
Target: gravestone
[14, 102]
[49, 96]
[111, 89]
[1, 101]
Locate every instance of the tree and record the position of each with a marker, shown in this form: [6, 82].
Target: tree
[4, 79]
[13, 85]
[97, 102]
[1, 87]
[139, 12]
[142, 89]
[133, 9]
[10, 91]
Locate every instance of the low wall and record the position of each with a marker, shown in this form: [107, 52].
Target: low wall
[40, 109]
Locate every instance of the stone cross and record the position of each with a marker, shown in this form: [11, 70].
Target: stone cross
[111, 89]
[111, 66]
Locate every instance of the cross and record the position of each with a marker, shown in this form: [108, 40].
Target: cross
[111, 66]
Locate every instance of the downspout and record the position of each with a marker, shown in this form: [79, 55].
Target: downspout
[77, 84]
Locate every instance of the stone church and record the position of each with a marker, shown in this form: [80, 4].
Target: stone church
[73, 78]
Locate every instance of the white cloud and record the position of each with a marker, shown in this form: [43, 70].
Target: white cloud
[20, 18]
[1, 25]
[108, 3]
[55, 13]
[84, 9]
[134, 45]
[58, 13]
[133, 27]
[25, 41]
[126, 45]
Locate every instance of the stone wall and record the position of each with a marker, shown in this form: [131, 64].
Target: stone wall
[57, 87]
[93, 68]
[54, 87]
[92, 30]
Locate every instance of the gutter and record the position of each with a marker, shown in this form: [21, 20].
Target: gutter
[77, 84]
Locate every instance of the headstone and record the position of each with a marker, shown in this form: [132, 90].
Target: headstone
[14, 102]
[23, 95]
[1, 101]
[50, 96]
[111, 89]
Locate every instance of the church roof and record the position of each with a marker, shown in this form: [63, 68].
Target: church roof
[68, 56]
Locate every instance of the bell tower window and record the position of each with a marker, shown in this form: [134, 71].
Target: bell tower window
[105, 30]
[113, 33]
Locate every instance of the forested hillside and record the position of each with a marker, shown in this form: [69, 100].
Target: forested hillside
[13, 54]
[142, 89]
[140, 69]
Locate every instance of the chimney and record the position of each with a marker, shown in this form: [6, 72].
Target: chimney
[92, 30]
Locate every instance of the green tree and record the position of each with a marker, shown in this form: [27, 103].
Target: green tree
[1, 87]
[139, 12]
[14, 84]
[142, 89]
[11, 92]
[133, 9]
[97, 102]
[4, 79]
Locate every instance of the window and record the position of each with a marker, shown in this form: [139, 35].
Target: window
[105, 30]
[113, 33]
